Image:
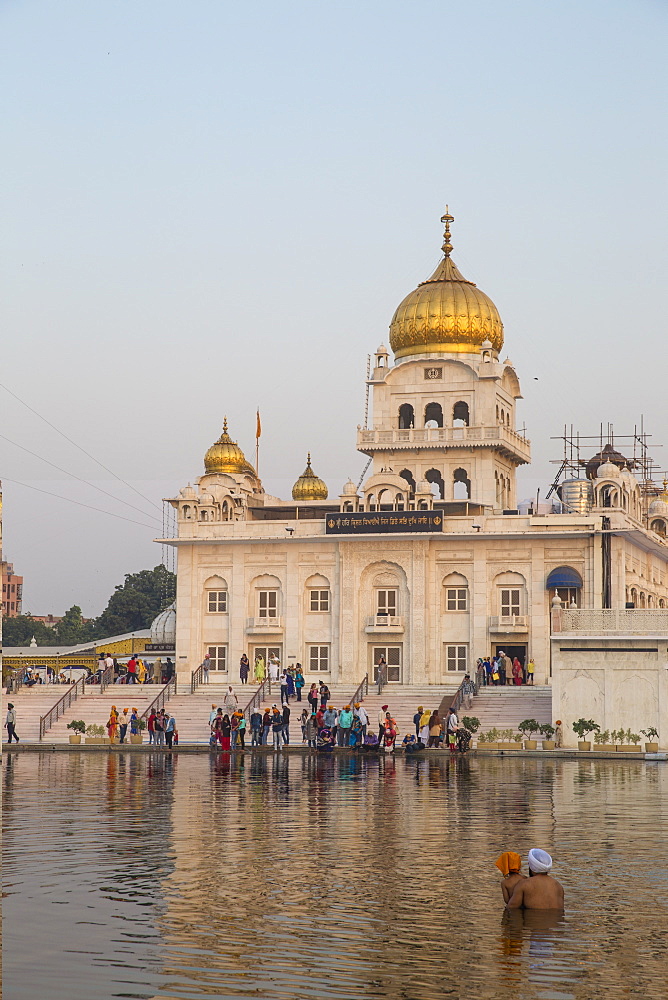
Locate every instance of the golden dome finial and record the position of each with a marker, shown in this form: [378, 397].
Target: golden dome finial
[309, 486]
[447, 219]
[225, 456]
[446, 314]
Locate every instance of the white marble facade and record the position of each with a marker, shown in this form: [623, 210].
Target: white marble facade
[256, 573]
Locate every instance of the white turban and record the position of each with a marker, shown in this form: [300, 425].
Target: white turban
[539, 861]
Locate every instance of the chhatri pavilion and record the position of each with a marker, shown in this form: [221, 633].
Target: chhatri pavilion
[429, 562]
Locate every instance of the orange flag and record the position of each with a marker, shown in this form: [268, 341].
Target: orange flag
[258, 428]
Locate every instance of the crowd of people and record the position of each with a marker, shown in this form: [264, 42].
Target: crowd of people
[500, 670]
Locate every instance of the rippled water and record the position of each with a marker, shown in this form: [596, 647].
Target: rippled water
[302, 877]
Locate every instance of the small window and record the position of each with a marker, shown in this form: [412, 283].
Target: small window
[319, 600]
[569, 596]
[318, 658]
[217, 657]
[386, 602]
[510, 602]
[456, 659]
[267, 604]
[217, 601]
[456, 599]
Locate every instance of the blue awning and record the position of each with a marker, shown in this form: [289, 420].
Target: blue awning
[563, 576]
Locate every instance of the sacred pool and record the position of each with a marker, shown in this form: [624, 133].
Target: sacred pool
[293, 876]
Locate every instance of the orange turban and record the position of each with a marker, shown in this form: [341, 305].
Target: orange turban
[508, 862]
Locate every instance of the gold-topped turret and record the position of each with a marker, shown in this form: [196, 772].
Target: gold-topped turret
[226, 456]
[446, 314]
[309, 486]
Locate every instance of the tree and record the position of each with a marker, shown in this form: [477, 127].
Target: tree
[135, 603]
[72, 629]
[18, 631]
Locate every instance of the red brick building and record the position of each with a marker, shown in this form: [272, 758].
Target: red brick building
[12, 591]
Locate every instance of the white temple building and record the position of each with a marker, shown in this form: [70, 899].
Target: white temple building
[430, 563]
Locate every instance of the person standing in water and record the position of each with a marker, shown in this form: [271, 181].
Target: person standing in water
[509, 864]
[540, 891]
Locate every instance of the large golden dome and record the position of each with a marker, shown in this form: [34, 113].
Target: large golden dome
[226, 456]
[445, 314]
[309, 486]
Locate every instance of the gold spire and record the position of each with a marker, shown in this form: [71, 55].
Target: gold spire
[446, 314]
[309, 486]
[447, 219]
[226, 456]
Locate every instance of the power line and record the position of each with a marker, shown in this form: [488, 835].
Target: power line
[87, 453]
[78, 478]
[77, 502]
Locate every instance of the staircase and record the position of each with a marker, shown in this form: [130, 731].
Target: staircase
[403, 701]
[31, 703]
[94, 709]
[506, 707]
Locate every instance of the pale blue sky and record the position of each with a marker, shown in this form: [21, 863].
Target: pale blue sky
[210, 206]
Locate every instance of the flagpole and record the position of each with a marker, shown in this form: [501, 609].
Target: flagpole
[258, 432]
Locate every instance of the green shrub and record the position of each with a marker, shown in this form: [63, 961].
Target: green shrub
[585, 726]
[78, 725]
[471, 723]
[547, 731]
[528, 727]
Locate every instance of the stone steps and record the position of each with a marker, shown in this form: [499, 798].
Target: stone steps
[30, 704]
[506, 707]
[403, 701]
[95, 709]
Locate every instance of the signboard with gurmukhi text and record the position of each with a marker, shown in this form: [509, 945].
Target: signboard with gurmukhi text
[378, 522]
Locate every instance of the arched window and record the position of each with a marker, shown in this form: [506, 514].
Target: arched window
[497, 413]
[204, 515]
[371, 501]
[460, 415]
[461, 485]
[567, 583]
[408, 476]
[348, 507]
[186, 511]
[650, 601]
[434, 477]
[634, 597]
[503, 416]
[225, 511]
[662, 603]
[406, 416]
[660, 527]
[455, 593]
[215, 596]
[399, 501]
[642, 599]
[433, 415]
[508, 419]
[385, 500]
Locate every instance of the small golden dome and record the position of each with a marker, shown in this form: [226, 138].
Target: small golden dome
[308, 486]
[445, 314]
[226, 456]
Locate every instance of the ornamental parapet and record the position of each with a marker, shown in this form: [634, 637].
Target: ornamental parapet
[504, 439]
[610, 621]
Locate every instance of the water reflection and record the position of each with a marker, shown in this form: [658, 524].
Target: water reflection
[308, 876]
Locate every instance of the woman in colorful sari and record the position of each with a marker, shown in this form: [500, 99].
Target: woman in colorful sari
[260, 673]
[518, 673]
[112, 725]
[134, 722]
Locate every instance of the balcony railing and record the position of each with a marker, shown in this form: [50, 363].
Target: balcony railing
[508, 623]
[445, 437]
[611, 621]
[385, 623]
[268, 624]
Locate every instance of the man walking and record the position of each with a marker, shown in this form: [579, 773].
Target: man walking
[10, 723]
[467, 692]
[286, 723]
[231, 701]
[206, 666]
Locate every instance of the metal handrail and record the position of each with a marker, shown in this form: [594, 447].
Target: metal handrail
[459, 694]
[106, 677]
[54, 713]
[361, 691]
[161, 698]
[264, 691]
[196, 677]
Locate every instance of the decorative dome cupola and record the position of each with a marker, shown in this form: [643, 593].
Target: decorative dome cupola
[309, 486]
[446, 314]
[225, 456]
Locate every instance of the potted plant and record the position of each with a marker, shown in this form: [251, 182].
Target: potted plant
[602, 741]
[582, 728]
[138, 737]
[78, 727]
[528, 727]
[652, 735]
[95, 734]
[619, 737]
[633, 738]
[490, 739]
[506, 740]
[547, 732]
